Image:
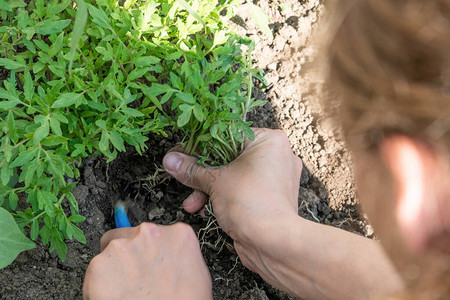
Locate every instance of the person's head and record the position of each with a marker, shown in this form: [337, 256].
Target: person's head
[390, 68]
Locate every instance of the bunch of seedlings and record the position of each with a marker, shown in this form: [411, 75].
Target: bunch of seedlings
[84, 78]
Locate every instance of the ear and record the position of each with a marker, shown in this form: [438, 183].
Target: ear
[413, 167]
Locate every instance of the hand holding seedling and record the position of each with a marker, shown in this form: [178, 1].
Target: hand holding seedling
[148, 262]
[260, 185]
[255, 200]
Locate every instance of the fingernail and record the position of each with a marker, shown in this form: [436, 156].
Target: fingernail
[172, 162]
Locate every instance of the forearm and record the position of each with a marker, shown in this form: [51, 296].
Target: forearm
[314, 261]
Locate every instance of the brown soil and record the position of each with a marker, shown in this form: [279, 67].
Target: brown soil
[326, 194]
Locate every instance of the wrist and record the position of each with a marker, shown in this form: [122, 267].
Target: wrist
[271, 246]
[273, 228]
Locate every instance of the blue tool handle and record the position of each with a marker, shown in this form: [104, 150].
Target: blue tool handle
[120, 217]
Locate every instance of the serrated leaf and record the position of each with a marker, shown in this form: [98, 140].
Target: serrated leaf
[51, 26]
[107, 55]
[132, 112]
[45, 234]
[116, 140]
[76, 218]
[12, 240]
[4, 94]
[176, 81]
[73, 205]
[66, 100]
[135, 74]
[145, 61]
[198, 113]
[56, 243]
[7, 105]
[53, 140]
[77, 233]
[248, 132]
[185, 116]
[99, 17]
[97, 106]
[157, 89]
[55, 126]
[60, 117]
[41, 132]
[185, 97]
[24, 158]
[258, 103]
[11, 64]
[4, 6]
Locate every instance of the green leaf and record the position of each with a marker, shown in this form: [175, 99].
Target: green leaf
[4, 6]
[28, 87]
[7, 105]
[99, 17]
[5, 174]
[34, 230]
[13, 199]
[46, 200]
[116, 140]
[45, 234]
[24, 158]
[51, 27]
[176, 81]
[77, 233]
[66, 100]
[185, 97]
[55, 126]
[78, 29]
[132, 112]
[97, 106]
[261, 20]
[146, 61]
[198, 113]
[220, 37]
[157, 89]
[76, 218]
[8, 95]
[11, 64]
[185, 116]
[53, 140]
[192, 11]
[135, 74]
[41, 132]
[12, 240]
[103, 145]
[56, 243]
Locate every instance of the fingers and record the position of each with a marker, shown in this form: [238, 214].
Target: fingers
[114, 234]
[186, 170]
[195, 201]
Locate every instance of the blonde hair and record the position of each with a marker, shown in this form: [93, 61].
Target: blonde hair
[390, 63]
[389, 68]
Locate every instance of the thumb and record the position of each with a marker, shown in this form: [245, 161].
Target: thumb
[186, 170]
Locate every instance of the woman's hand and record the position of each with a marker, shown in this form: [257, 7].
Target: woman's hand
[148, 262]
[255, 201]
[260, 185]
